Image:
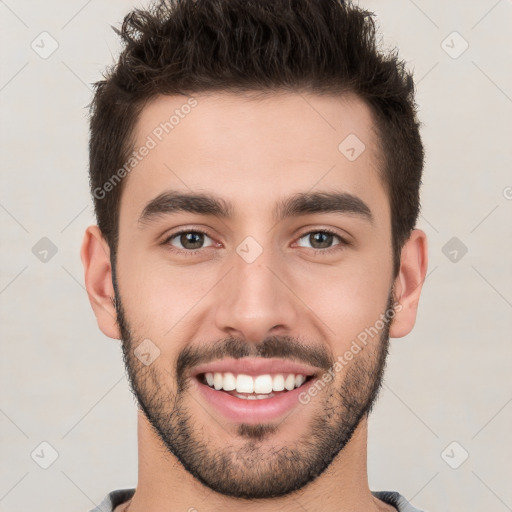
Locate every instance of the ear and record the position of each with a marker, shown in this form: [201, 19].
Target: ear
[409, 282]
[95, 255]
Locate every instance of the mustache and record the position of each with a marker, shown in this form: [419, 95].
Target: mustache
[284, 347]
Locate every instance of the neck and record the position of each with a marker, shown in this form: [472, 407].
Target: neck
[165, 486]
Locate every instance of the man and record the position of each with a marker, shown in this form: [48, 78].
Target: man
[255, 168]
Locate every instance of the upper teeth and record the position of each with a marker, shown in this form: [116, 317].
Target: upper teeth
[248, 384]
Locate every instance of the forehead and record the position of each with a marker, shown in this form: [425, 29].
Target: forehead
[254, 150]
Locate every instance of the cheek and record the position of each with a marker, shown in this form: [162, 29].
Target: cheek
[159, 297]
[162, 299]
[348, 302]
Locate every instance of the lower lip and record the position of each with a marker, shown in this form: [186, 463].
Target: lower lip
[241, 410]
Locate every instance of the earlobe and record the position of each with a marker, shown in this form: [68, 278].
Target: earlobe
[95, 256]
[409, 282]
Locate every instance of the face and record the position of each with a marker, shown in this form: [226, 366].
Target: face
[252, 249]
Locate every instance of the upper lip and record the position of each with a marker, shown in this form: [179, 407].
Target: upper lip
[254, 367]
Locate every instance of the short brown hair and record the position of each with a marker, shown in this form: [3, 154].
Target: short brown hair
[318, 46]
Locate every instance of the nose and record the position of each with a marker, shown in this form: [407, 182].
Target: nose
[254, 301]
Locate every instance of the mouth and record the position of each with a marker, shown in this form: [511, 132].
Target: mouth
[248, 387]
[253, 397]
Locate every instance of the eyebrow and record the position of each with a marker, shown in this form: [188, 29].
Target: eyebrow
[172, 202]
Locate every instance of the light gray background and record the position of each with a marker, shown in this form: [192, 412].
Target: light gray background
[63, 381]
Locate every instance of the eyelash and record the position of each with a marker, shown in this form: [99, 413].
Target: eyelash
[343, 242]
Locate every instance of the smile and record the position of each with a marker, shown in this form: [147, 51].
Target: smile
[252, 399]
[248, 387]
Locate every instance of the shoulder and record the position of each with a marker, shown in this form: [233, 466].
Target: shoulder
[397, 500]
[113, 499]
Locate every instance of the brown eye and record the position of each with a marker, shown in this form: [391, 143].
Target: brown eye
[322, 240]
[188, 240]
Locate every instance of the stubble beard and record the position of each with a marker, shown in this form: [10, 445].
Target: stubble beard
[253, 467]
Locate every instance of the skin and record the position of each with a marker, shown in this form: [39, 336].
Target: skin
[253, 153]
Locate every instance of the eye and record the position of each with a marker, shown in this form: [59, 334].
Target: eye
[190, 241]
[321, 240]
